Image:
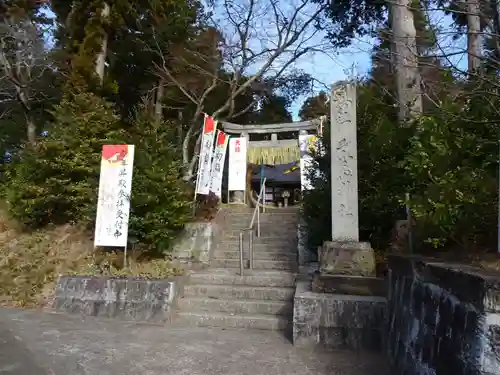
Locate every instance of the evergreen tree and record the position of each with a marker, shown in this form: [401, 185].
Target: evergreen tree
[161, 200]
[315, 107]
[56, 181]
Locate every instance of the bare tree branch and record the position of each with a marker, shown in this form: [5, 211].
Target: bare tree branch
[23, 61]
[244, 44]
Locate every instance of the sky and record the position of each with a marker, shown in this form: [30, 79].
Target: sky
[355, 61]
[348, 63]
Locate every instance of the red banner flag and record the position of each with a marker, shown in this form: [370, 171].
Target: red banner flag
[209, 124]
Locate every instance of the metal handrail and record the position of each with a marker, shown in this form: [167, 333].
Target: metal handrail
[256, 214]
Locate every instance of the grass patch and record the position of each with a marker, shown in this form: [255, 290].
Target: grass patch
[31, 263]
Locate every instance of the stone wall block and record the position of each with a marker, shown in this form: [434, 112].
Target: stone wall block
[307, 310]
[305, 335]
[442, 318]
[338, 321]
[199, 240]
[128, 299]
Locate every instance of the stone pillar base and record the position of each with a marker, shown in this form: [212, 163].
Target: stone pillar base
[347, 258]
[237, 196]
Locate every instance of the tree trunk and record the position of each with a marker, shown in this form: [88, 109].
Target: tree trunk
[23, 99]
[408, 79]
[495, 6]
[31, 129]
[160, 91]
[22, 90]
[101, 58]
[179, 127]
[473, 35]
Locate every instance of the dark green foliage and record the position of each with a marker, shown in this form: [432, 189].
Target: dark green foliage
[381, 146]
[273, 110]
[453, 166]
[206, 206]
[316, 206]
[447, 161]
[55, 181]
[315, 106]
[161, 200]
[346, 19]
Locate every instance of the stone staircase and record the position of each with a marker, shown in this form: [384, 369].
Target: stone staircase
[263, 297]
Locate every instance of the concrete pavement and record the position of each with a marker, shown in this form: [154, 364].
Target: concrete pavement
[40, 343]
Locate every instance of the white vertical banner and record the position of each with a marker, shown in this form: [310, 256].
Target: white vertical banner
[218, 163]
[113, 204]
[205, 163]
[308, 144]
[237, 176]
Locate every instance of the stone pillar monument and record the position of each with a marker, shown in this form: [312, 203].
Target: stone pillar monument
[345, 255]
[344, 167]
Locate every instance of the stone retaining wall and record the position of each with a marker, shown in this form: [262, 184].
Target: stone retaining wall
[128, 299]
[442, 319]
[305, 255]
[199, 240]
[337, 320]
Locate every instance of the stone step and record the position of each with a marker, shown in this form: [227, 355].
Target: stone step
[222, 320]
[267, 235]
[257, 255]
[235, 210]
[251, 278]
[266, 229]
[239, 292]
[236, 221]
[257, 264]
[264, 216]
[269, 213]
[258, 247]
[233, 243]
[285, 239]
[209, 305]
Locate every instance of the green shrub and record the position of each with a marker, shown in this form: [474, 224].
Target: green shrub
[56, 180]
[453, 163]
[161, 199]
[447, 160]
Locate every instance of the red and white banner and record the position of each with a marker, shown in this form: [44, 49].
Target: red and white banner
[205, 163]
[218, 163]
[113, 204]
[237, 176]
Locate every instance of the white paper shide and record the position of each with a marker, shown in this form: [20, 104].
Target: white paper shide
[237, 164]
[115, 185]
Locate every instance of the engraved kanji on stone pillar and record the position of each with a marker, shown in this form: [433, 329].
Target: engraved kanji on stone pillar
[344, 163]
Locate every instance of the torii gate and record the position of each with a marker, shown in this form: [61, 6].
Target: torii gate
[271, 144]
[344, 158]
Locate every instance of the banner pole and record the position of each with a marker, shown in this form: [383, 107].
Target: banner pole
[199, 164]
[125, 257]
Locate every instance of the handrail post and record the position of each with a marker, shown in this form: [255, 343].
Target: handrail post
[241, 253]
[264, 196]
[258, 221]
[250, 249]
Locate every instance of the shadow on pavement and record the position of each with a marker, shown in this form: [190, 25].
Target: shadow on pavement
[15, 358]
